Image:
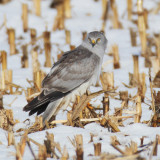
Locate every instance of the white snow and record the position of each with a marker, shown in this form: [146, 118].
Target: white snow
[86, 16]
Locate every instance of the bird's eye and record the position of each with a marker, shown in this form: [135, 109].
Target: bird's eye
[98, 40]
[89, 39]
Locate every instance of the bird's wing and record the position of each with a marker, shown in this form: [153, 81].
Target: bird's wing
[73, 69]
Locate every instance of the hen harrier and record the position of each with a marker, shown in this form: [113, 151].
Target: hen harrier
[76, 71]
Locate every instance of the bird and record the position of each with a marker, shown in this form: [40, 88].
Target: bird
[70, 76]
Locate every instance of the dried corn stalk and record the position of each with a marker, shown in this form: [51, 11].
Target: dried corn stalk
[6, 119]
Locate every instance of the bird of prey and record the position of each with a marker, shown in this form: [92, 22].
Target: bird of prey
[72, 75]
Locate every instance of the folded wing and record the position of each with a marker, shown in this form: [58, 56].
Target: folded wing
[73, 69]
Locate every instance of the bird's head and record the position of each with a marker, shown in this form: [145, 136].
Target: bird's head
[96, 39]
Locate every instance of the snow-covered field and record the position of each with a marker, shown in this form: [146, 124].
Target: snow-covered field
[86, 16]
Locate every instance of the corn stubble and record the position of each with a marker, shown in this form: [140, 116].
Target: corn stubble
[82, 111]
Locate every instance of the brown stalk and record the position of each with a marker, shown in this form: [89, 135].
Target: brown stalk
[136, 67]
[117, 148]
[33, 34]
[84, 35]
[113, 126]
[105, 104]
[157, 41]
[155, 146]
[108, 121]
[79, 147]
[38, 80]
[155, 64]
[35, 62]
[151, 87]
[107, 80]
[4, 1]
[4, 60]
[18, 153]
[142, 140]
[142, 88]
[46, 36]
[10, 138]
[49, 144]
[104, 13]
[146, 18]
[90, 119]
[1, 102]
[84, 101]
[24, 59]
[65, 154]
[32, 94]
[104, 9]
[13, 85]
[97, 149]
[37, 7]
[2, 80]
[158, 138]
[138, 110]
[17, 147]
[47, 48]
[118, 112]
[142, 26]
[25, 17]
[33, 141]
[68, 36]
[23, 141]
[9, 79]
[67, 8]
[132, 149]
[59, 19]
[114, 140]
[124, 97]
[40, 122]
[155, 121]
[129, 9]
[115, 17]
[133, 36]
[11, 38]
[89, 112]
[30, 91]
[115, 57]
[156, 81]
[42, 154]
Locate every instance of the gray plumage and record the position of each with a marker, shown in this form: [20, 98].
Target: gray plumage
[70, 76]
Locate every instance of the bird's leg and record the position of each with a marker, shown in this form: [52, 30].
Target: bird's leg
[91, 110]
[89, 106]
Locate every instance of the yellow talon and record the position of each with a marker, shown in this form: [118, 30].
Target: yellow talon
[89, 106]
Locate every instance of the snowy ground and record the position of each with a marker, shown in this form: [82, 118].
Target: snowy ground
[85, 17]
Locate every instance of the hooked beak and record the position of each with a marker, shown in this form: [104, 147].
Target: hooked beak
[93, 42]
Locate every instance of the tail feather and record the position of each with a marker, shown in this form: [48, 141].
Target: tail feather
[45, 103]
[42, 109]
[39, 109]
[43, 100]
[37, 102]
[51, 110]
